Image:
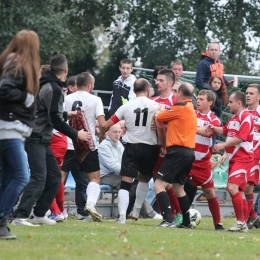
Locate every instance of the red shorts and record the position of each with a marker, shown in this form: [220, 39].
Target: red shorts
[237, 173]
[201, 174]
[253, 176]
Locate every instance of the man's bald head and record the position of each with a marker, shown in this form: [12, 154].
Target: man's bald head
[141, 85]
[114, 132]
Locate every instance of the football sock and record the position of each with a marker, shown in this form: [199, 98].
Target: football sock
[174, 202]
[141, 192]
[93, 192]
[190, 190]
[215, 210]
[245, 209]
[250, 202]
[123, 201]
[237, 202]
[185, 206]
[164, 202]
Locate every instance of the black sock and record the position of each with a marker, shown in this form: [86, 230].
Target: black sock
[185, 206]
[164, 202]
[190, 191]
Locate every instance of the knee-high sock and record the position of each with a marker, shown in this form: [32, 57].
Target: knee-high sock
[250, 202]
[175, 207]
[60, 197]
[245, 209]
[237, 202]
[93, 192]
[123, 201]
[164, 203]
[141, 192]
[215, 210]
[252, 213]
[185, 206]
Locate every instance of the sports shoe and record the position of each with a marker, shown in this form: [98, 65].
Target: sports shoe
[93, 212]
[121, 220]
[219, 227]
[42, 221]
[157, 216]
[22, 222]
[5, 233]
[135, 214]
[84, 218]
[178, 219]
[167, 224]
[253, 222]
[239, 226]
[65, 214]
[190, 226]
[57, 217]
[48, 213]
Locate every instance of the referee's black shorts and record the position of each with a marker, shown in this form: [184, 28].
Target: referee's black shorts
[138, 157]
[176, 165]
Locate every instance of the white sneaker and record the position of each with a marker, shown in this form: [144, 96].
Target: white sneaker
[135, 214]
[84, 218]
[157, 216]
[93, 212]
[42, 221]
[121, 220]
[57, 217]
[239, 226]
[65, 214]
[48, 213]
[22, 222]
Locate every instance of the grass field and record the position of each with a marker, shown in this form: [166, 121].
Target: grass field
[136, 240]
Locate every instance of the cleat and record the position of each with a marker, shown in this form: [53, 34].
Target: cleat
[253, 222]
[167, 224]
[93, 212]
[219, 227]
[57, 217]
[135, 214]
[121, 220]
[239, 226]
[42, 221]
[178, 219]
[84, 218]
[22, 222]
[157, 216]
[65, 214]
[190, 226]
[5, 233]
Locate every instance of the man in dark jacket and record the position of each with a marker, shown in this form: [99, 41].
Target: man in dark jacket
[45, 174]
[210, 65]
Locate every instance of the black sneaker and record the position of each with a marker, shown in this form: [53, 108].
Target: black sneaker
[219, 227]
[190, 226]
[253, 222]
[165, 223]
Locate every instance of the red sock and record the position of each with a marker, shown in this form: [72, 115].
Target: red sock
[250, 202]
[175, 206]
[237, 202]
[54, 207]
[245, 209]
[252, 213]
[215, 210]
[60, 197]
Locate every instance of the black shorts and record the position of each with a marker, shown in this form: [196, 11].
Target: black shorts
[90, 163]
[69, 161]
[138, 157]
[176, 165]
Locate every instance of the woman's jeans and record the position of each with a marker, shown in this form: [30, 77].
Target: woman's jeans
[15, 173]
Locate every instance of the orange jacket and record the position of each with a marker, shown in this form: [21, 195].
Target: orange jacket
[182, 124]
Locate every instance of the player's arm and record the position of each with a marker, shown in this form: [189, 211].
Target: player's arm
[215, 129]
[232, 142]
[169, 115]
[107, 124]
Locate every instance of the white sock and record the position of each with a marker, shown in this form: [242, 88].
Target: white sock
[123, 201]
[93, 192]
[141, 192]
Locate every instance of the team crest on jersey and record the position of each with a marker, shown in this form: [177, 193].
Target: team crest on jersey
[205, 123]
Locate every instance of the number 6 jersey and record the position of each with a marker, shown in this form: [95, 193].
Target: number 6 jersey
[138, 115]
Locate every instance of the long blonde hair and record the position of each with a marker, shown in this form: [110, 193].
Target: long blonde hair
[24, 48]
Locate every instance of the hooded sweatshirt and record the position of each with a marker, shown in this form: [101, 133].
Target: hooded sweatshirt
[121, 89]
[49, 113]
[206, 68]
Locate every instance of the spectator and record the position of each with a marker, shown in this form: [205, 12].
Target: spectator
[177, 69]
[19, 69]
[110, 153]
[210, 65]
[123, 86]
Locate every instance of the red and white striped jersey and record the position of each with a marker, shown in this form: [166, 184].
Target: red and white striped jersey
[242, 127]
[256, 140]
[203, 147]
[170, 100]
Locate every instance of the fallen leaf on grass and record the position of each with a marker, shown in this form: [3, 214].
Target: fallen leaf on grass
[123, 233]
[255, 238]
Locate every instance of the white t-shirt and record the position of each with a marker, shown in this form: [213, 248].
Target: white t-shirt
[91, 105]
[138, 115]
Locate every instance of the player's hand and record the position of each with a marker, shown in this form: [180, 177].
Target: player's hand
[70, 114]
[223, 158]
[218, 147]
[210, 129]
[84, 136]
[162, 152]
[153, 125]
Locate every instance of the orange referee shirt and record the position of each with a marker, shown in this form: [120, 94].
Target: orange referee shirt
[182, 124]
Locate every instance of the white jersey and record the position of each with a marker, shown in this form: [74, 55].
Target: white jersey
[138, 115]
[90, 104]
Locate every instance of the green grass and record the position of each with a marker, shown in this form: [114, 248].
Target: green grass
[136, 240]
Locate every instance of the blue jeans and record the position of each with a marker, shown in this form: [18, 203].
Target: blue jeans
[15, 173]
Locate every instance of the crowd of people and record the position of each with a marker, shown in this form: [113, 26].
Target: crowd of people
[160, 131]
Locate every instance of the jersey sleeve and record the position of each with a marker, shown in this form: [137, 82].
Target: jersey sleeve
[99, 108]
